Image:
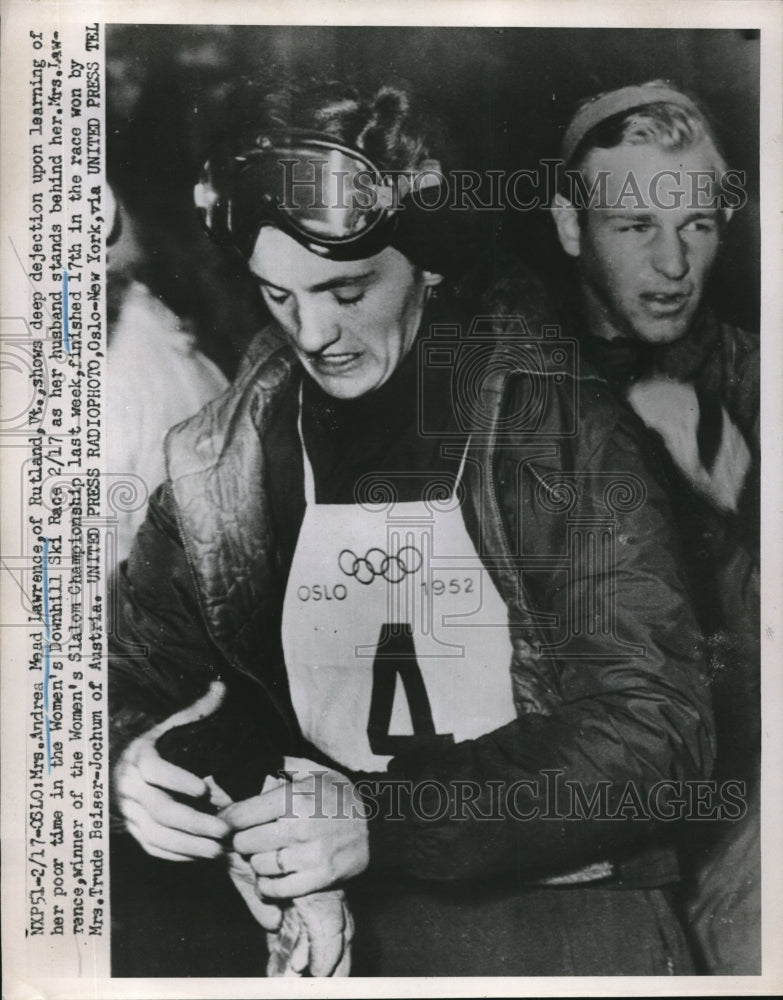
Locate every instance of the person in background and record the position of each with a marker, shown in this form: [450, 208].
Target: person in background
[643, 203]
[156, 377]
[366, 547]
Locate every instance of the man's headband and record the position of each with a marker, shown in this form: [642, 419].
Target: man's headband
[616, 101]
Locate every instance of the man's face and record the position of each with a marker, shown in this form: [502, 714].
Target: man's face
[644, 267]
[351, 323]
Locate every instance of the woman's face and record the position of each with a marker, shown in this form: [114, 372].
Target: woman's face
[352, 323]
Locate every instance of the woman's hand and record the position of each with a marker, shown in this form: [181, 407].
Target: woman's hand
[148, 788]
[309, 934]
[302, 835]
[315, 937]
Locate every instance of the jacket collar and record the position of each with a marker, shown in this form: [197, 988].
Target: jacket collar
[623, 360]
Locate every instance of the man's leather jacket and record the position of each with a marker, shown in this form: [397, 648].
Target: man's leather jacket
[570, 518]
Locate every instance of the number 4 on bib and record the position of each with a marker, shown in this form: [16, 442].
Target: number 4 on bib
[396, 657]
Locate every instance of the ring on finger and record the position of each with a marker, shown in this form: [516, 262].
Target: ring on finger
[279, 861]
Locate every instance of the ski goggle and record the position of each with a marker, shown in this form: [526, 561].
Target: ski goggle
[329, 197]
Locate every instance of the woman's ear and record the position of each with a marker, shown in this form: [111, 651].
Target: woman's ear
[567, 223]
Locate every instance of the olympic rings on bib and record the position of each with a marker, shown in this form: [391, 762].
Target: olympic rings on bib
[376, 562]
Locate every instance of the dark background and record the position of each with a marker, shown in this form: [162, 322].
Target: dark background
[505, 93]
